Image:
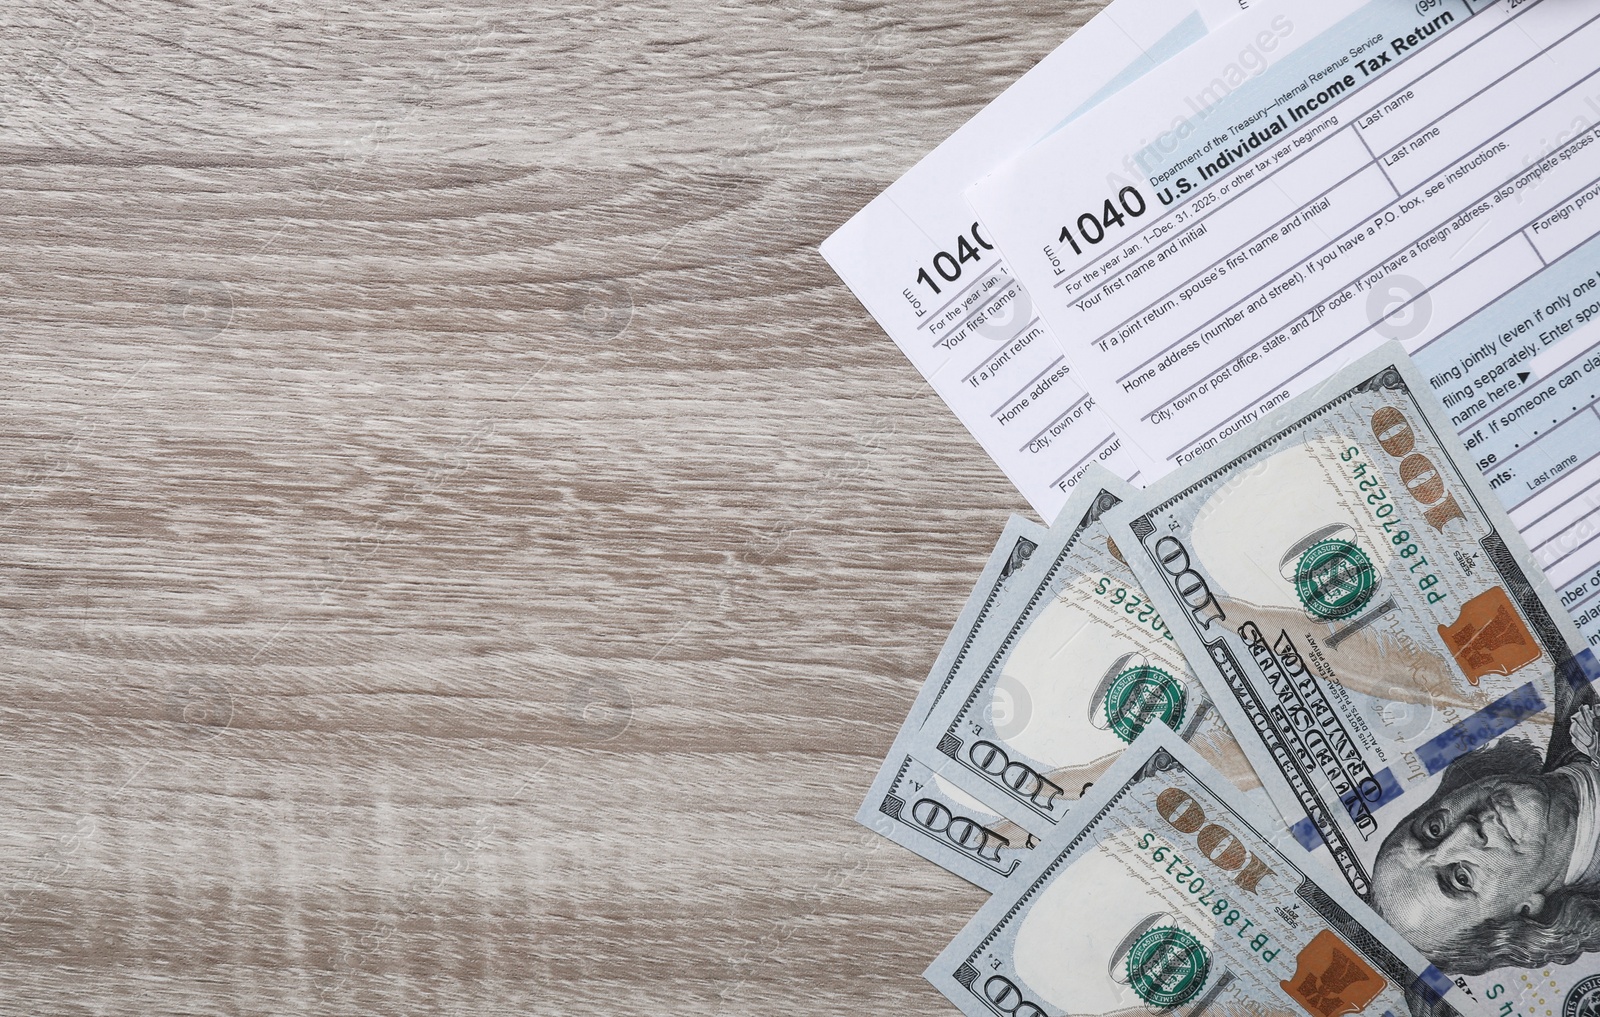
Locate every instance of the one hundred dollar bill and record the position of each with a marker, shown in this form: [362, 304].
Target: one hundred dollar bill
[1400, 672]
[1076, 663]
[1163, 893]
[908, 802]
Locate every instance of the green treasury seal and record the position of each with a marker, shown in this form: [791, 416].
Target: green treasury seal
[1167, 966]
[1142, 694]
[1334, 579]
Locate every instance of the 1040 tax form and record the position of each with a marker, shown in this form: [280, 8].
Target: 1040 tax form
[1309, 181]
[918, 260]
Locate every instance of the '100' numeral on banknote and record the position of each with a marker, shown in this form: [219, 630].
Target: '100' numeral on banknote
[911, 804]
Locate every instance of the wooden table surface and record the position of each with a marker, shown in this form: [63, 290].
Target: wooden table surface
[465, 551]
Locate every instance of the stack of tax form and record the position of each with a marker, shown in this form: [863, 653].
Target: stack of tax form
[1281, 316]
[1183, 217]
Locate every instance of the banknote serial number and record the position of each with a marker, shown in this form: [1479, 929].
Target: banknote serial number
[1132, 603]
[1205, 895]
[1384, 512]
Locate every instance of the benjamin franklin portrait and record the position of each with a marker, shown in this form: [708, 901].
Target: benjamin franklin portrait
[1501, 865]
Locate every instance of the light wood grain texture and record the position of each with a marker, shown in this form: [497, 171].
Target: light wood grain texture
[464, 551]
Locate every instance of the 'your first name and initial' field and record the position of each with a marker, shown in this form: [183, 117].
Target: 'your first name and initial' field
[1449, 187]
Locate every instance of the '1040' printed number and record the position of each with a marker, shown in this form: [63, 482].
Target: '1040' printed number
[1092, 228]
[949, 265]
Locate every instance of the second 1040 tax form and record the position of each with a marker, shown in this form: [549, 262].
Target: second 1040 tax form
[1309, 181]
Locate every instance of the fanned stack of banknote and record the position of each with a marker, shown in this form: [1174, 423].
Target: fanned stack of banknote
[1299, 728]
[1287, 317]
